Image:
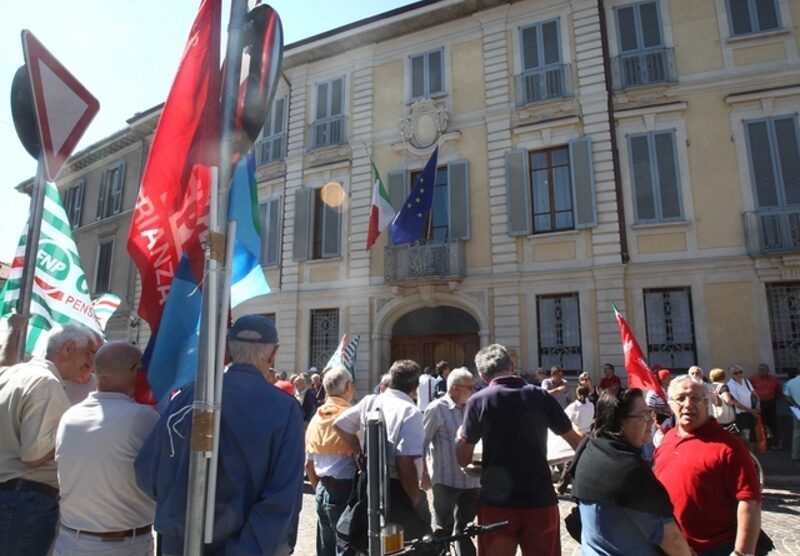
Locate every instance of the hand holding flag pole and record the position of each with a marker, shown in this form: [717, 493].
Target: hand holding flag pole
[639, 373]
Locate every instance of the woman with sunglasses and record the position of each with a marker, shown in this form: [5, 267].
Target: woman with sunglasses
[745, 402]
[623, 508]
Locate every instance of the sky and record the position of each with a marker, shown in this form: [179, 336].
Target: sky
[125, 52]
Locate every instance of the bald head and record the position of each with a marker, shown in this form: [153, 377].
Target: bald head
[115, 365]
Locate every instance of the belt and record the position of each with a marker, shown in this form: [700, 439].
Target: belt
[336, 483]
[112, 536]
[24, 485]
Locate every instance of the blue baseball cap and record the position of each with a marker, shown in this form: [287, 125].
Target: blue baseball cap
[254, 329]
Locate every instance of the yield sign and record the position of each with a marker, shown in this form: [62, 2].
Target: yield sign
[64, 108]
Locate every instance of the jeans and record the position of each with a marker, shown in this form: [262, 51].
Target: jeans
[454, 509]
[70, 543]
[795, 439]
[331, 502]
[28, 522]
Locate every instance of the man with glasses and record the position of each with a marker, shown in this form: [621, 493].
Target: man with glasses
[455, 495]
[709, 476]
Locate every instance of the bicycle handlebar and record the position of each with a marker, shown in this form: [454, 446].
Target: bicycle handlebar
[429, 541]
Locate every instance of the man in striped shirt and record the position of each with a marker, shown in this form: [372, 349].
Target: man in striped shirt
[455, 495]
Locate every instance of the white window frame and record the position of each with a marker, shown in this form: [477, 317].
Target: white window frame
[100, 244]
[752, 13]
[427, 93]
[268, 137]
[655, 178]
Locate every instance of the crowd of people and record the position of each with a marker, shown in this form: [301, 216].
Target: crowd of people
[86, 470]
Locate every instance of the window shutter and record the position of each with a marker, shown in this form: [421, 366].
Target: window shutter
[398, 188]
[651, 28]
[761, 163]
[582, 174]
[668, 182]
[117, 187]
[101, 196]
[644, 199]
[417, 76]
[458, 190]
[271, 232]
[767, 13]
[435, 81]
[518, 193]
[337, 97]
[786, 140]
[77, 207]
[550, 44]
[322, 100]
[740, 17]
[331, 229]
[626, 29]
[530, 47]
[277, 117]
[303, 199]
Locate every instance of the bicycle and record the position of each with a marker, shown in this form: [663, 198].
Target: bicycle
[732, 428]
[429, 542]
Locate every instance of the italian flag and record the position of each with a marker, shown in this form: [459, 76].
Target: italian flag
[381, 214]
[60, 291]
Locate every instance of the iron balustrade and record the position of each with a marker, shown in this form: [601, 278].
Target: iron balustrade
[644, 67]
[327, 132]
[773, 230]
[271, 149]
[543, 84]
[424, 259]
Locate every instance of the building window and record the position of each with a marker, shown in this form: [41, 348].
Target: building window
[643, 58]
[655, 178]
[550, 190]
[109, 197]
[270, 212]
[327, 227]
[774, 160]
[427, 74]
[449, 216]
[73, 203]
[324, 337]
[784, 321]
[559, 331]
[543, 75]
[272, 146]
[670, 328]
[753, 16]
[102, 276]
[328, 127]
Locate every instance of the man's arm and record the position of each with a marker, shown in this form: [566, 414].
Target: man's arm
[38, 462]
[464, 451]
[673, 542]
[407, 473]
[573, 437]
[350, 439]
[10, 348]
[312, 474]
[748, 525]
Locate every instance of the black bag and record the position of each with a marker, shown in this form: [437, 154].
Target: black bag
[764, 545]
[745, 421]
[573, 523]
[351, 528]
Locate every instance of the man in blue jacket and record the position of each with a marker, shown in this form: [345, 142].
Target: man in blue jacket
[260, 475]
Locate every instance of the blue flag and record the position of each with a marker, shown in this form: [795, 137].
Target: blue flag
[411, 222]
[247, 277]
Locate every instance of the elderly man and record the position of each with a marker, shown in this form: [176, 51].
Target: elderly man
[32, 401]
[330, 462]
[81, 386]
[455, 495]
[512, 418]
[408, 504]
[260, 475]
[102, 508]
[709, 476]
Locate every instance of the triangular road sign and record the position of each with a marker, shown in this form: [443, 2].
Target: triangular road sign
[64, 108]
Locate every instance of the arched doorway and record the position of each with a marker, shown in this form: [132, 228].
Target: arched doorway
[429, 335]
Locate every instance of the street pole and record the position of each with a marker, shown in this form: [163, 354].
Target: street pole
[374, 483]
[31, 250]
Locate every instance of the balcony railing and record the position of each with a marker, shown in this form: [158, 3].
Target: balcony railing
[644, 67]
[327, 132]
[424, 259]
[271, 149]
[772, 230]
[542, 84]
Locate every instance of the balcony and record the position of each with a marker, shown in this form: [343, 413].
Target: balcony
[327, 132]
[424, 260]
[774, 230]
[270, 150]
[644, 67]
[543, 84]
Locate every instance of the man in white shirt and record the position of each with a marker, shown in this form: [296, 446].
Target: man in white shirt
[103, 511]
[426, 391]
[581, 411]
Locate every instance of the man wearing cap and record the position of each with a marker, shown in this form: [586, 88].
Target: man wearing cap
[102, 508]
[260, 474]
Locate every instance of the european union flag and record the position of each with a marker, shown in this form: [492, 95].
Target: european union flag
[411, 222]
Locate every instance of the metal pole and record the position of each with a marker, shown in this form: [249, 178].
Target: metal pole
[203, 408]
[374, 484]
[31, 250]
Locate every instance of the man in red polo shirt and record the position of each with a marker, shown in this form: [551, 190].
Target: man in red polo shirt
[609, 380]
[769, 391]
[709, 476]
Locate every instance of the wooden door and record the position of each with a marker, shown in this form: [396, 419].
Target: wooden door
[457, 349]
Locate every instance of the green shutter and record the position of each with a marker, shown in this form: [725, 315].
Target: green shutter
[303, 199]
[458, 200]
[582, 174]
[518, 193]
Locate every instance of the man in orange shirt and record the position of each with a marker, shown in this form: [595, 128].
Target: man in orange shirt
[769, 391]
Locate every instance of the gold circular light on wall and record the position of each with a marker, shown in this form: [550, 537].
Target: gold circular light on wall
[333, 194]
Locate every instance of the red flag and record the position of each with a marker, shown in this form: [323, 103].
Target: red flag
[171, 214]
[639, 373]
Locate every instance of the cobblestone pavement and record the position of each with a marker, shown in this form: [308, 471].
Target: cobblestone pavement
[780, 519]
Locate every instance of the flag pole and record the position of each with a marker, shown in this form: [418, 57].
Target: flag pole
[31, 250]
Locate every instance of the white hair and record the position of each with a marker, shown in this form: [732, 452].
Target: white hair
[61, 335]
[249, 353]
[336, 380]
[680, 379]
[457, 376]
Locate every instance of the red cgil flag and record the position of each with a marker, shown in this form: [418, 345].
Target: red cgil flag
[171, 214]
[639, 373]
